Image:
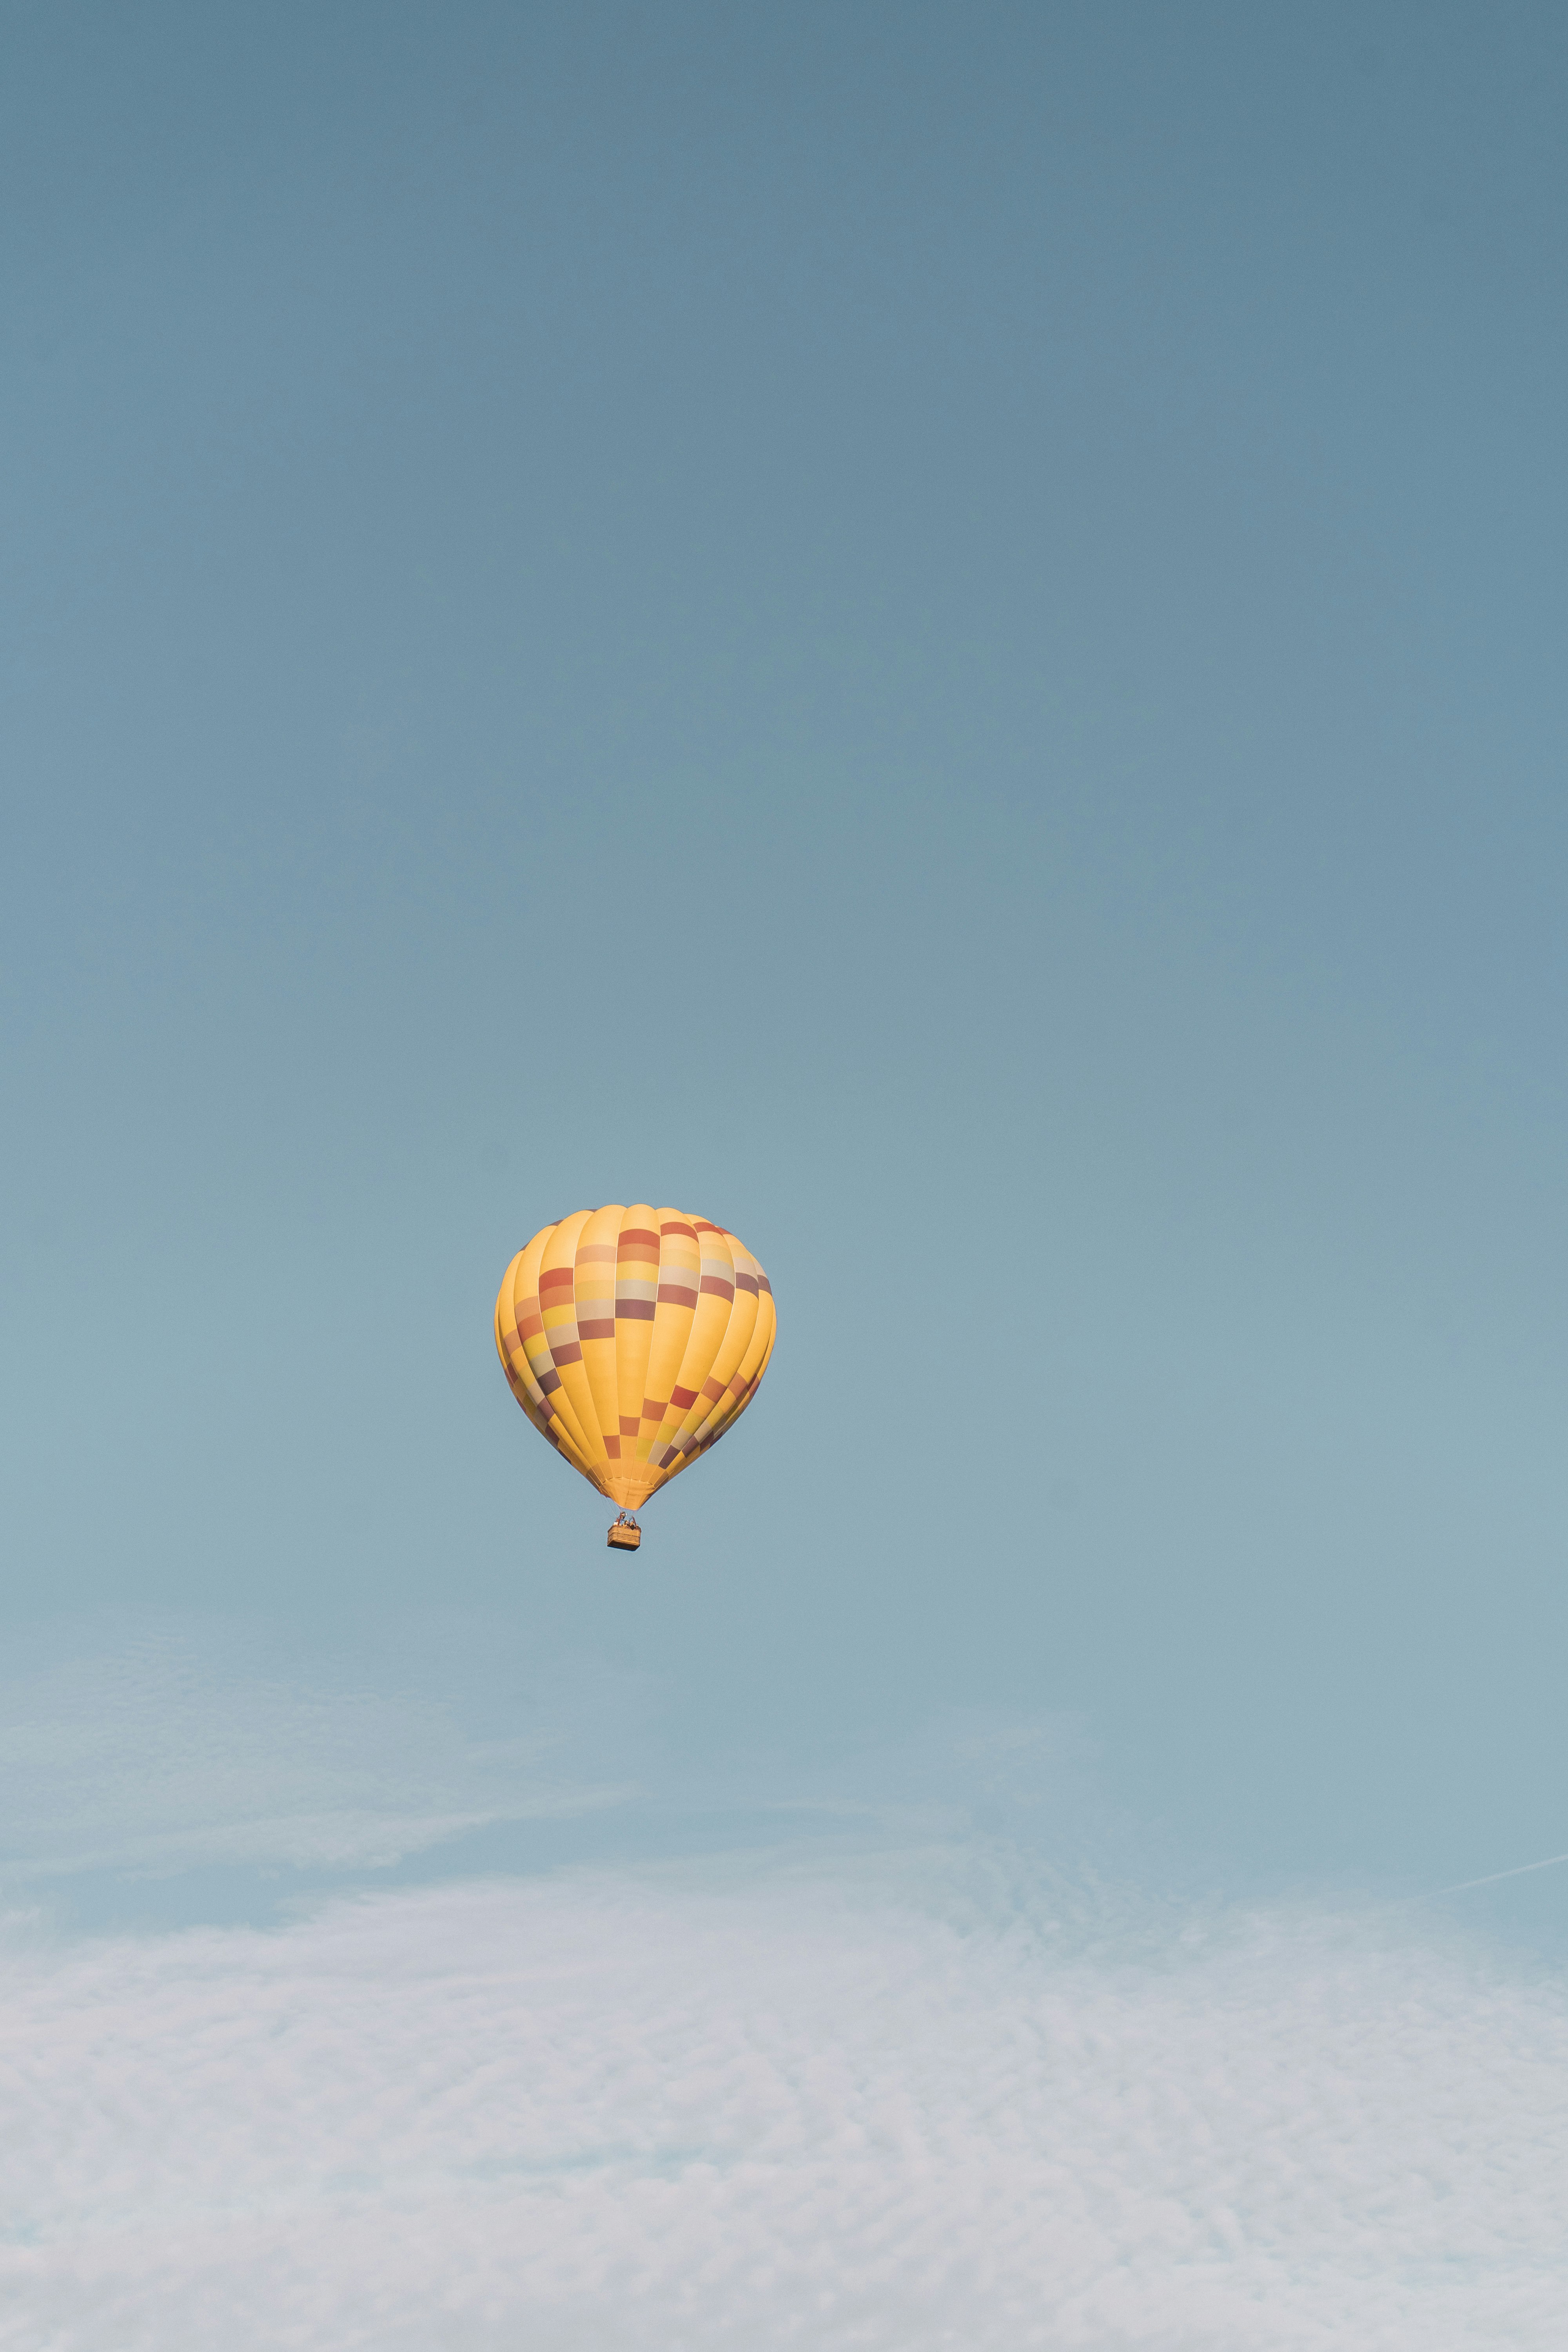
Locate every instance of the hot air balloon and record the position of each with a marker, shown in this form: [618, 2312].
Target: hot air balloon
[633, 1340]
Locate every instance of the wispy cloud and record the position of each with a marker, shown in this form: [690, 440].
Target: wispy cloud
[167, 1754]
[751, 2107]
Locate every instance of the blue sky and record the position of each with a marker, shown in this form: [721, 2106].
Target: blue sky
[935, 632]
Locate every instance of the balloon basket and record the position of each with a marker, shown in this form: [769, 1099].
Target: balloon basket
[626, 1535]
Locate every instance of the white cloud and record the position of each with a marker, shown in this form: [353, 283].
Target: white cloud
[741, 2111]
[168, 1754]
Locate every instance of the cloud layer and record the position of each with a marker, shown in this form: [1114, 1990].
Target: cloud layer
[751, 2108]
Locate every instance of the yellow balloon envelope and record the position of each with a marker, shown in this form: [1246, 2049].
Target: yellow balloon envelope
[633, 1339]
